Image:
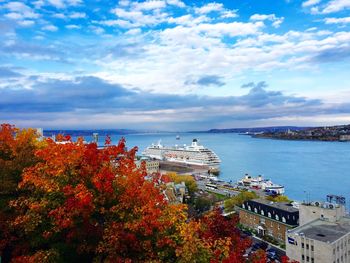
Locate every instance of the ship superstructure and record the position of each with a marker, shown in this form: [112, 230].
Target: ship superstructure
[195, 154]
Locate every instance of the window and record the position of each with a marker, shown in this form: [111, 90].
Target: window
[302, 257]
[243, 205]
[307, 246]
[302, 245]
[312, 260]
[269, 215]
[262, 220]
[262, 212]
[283, 219]
[249, 208]
[307, 259]
[277, 217]
[312, 248]
[255, 210]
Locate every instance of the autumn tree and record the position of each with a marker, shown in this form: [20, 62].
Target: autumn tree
[189, 181]
[89, 204]
[17, 147]
[239, 200]
[17, 151]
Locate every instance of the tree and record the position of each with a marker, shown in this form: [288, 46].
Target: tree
[238, 200]
[17, 149]
[93, 202]
[279, 198]
[87, 204]
[190, 182]
[17, 152]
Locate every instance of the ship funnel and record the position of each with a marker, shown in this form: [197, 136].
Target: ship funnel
[195, 142]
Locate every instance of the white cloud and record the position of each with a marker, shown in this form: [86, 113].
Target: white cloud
[57, 3]
[96, 29]
[276, 21]
[177, 3]
[211, 7]
[149, 5]
[336, 6]
[124, 2]
[64, 3]
[59, 15]
[229, 14]
[138, 18]
[77, 15]
[310, 3]
[51, 28]
[73, 27]
[188, 20]
[117, 22]
[134, 31]
[26, 23]
[19, 10]
[341, 20]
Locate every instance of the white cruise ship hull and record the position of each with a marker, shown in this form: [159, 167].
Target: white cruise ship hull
[195, 155]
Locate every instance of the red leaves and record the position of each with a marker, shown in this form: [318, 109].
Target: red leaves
[96, 203]
[103, 180]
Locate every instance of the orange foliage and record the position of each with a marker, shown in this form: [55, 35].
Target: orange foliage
[86, 204]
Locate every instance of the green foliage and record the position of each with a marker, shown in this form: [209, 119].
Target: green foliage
[238, 200]
[279, 198]
[202, 203]
[188, 179]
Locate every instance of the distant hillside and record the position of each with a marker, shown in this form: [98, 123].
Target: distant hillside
[329, 133]
[90, 132]
[259, 129]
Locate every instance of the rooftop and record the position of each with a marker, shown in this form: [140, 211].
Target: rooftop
[323, 230]
[279, 205]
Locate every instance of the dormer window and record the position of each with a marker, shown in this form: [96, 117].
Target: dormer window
[249, 208]
[262, 212]
[243, 205]
[277, 217]
[255, 210]
[283, 219]
[269, 214]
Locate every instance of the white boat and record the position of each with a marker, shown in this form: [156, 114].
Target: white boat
[195, 154]
[261, 183]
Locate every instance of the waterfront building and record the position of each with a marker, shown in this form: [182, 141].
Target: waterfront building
[175, 193]
[152, 166]
[315, 210]
[269, 218]
[324, 236]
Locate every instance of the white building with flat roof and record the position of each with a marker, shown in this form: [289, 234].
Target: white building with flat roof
[324, 236]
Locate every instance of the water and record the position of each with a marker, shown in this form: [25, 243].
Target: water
[305, 168]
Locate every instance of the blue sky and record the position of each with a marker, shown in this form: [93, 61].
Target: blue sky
[174, 65]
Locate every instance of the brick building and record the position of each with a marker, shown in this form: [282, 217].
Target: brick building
[269, 218]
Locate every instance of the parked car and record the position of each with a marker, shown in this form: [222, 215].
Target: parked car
[271, 251]
[256, 246]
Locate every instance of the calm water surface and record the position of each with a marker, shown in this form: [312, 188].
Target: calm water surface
[303, 167]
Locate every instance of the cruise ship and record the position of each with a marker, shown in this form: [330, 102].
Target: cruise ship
[195, 154]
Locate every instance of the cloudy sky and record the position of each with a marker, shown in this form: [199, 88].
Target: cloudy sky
[174, 65]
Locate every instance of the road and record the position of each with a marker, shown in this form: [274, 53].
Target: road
[279, 252]
[221, 189]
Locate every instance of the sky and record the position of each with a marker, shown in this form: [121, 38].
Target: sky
[174, 65]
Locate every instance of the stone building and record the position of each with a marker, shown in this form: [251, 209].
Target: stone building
[324, 236]
[269, 218]
[152, 166]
